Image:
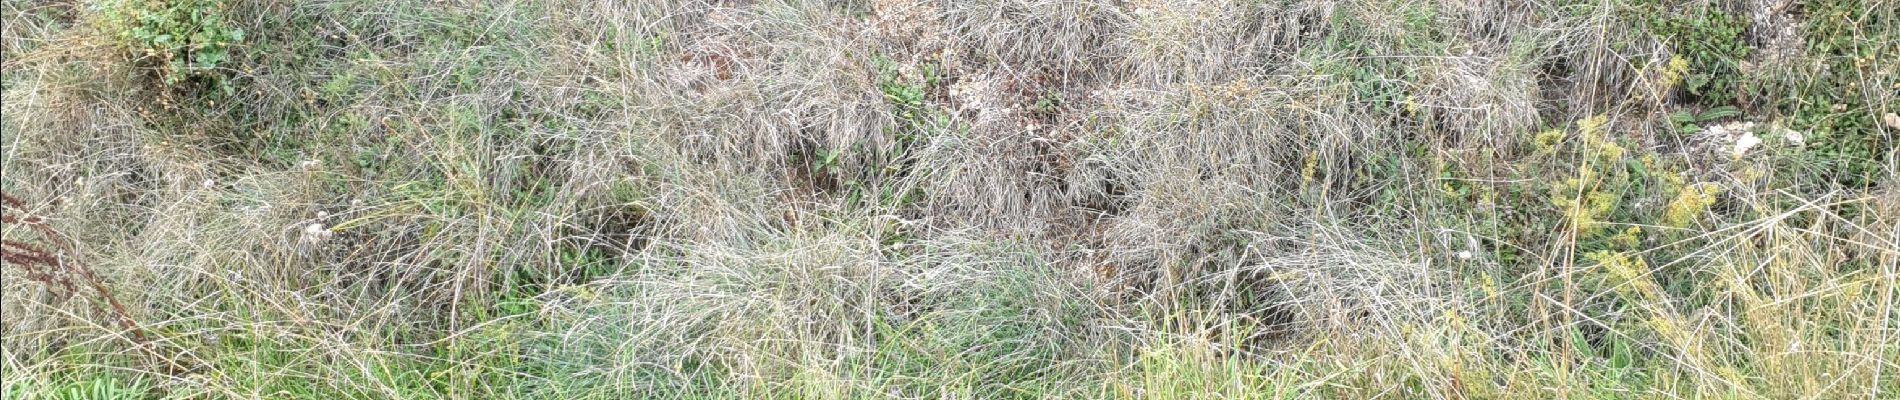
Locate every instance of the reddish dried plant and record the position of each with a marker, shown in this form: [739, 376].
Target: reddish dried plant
[53, 264]
[39, 264]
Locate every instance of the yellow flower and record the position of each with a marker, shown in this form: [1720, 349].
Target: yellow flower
[1690, 203]
[1672, 75]
[1593, 126]
[1547, 141]
[1629, 238]
[1312, 167]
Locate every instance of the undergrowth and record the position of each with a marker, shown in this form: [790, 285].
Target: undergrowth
[984, 199]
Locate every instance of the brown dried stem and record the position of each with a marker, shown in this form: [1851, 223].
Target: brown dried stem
[56, 272]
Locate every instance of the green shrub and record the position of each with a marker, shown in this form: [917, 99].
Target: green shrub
[180, 38]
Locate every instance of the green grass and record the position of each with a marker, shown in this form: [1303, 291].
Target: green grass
[529, 199]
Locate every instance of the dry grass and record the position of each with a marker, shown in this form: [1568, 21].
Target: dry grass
[918, 199]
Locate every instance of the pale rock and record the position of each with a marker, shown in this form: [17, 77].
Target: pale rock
[1716, 131]
[1746, 142]
[1794, 137]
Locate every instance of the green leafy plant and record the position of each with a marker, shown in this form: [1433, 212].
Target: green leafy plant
[180, 38]
[828, 162]
[1048, 104]
[907, 98]
[1825, 100]
[1712, 40]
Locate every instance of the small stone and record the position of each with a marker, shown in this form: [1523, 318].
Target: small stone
[1893, 120]
[1746, 142]
[1794, 138]
[1717, 131]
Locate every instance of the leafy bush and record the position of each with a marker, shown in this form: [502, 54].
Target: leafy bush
[180, 38]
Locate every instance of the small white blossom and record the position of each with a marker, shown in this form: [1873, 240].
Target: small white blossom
[315, 233]
[1464, 255]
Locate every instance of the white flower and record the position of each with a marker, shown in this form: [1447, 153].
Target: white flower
[315, 233]
[1464, 255]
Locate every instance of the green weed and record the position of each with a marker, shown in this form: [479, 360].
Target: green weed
[182, 39]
